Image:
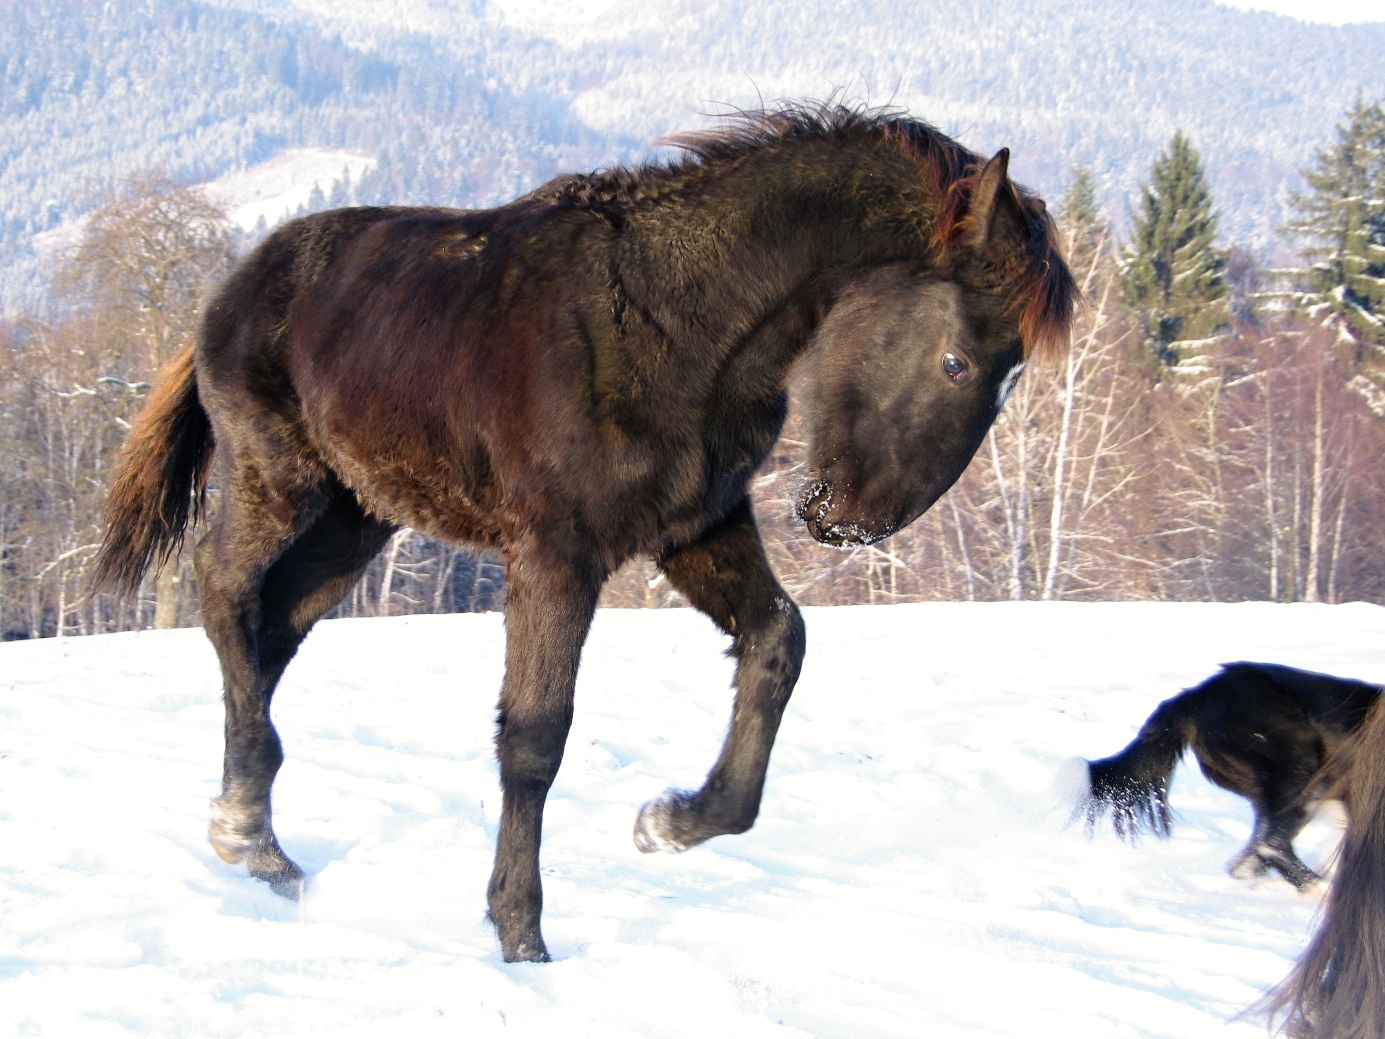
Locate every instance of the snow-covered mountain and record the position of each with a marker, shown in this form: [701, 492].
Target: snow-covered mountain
[472, 102]
[908, 875]
[265, 194]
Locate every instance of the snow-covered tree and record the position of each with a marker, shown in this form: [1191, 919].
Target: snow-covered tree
[1342, 219]
[1173, 271]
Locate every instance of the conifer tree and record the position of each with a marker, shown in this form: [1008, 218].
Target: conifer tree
[1173, 273]
[1086, 231]
[1343, 219]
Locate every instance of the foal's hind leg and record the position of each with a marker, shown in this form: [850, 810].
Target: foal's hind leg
[311, 577]
[726, 576]
[259, 600]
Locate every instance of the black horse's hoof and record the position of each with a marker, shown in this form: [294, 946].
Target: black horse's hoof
[662, 824]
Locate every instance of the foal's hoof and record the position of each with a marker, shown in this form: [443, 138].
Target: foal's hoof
[1318, 887]
[260, 851]
[662, 823]
[519, 943]
[526, 953]
[286, 880]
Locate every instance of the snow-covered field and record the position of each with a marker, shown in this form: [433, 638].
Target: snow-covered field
[909, 875]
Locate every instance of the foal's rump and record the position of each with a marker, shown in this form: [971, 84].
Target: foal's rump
[361, 341]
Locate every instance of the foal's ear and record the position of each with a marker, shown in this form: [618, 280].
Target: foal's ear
[988, 199]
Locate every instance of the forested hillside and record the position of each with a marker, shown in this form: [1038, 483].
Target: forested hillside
[93, 91]
[466, 104]
[1214, 433]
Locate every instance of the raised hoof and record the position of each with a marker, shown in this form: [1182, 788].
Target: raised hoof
[1303, 878]
[662, 824]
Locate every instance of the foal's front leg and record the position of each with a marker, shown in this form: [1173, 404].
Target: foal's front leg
[726, 576]
[548, 610]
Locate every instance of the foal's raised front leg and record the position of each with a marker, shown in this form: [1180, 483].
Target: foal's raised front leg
[548, 610]
[726, 576]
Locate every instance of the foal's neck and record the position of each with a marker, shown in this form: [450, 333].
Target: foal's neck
[736, 240]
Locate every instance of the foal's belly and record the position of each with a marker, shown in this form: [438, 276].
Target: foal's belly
[405, 477]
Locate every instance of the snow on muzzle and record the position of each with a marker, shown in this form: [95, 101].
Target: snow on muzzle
[818, 501]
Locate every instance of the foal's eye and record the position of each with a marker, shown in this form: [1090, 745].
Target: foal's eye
[957, 369]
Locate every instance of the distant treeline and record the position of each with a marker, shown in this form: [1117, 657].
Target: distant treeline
[472, 103]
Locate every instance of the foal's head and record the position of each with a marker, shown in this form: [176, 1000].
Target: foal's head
[913, 361]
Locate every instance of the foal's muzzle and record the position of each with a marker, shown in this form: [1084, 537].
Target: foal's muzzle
[814, 507]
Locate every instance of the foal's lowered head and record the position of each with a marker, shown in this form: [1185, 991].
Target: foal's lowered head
[913, 362]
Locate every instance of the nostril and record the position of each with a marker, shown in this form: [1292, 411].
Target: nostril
[850, 535]
[814, 502]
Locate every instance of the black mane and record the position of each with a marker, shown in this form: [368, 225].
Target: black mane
[746, 131]
[1039, 283]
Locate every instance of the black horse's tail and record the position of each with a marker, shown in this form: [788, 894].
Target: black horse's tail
[1133, 785]
[1337, 988]
[160, 477]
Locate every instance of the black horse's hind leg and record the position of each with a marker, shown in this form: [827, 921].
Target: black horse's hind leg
[726, 576]
[259, 598]
[1271, 766]
[1271, 847]
[548, 610]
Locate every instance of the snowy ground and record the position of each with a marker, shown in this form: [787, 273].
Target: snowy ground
[908, 876]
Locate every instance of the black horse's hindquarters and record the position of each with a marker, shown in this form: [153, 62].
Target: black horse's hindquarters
[593, 371]
[1264, 731]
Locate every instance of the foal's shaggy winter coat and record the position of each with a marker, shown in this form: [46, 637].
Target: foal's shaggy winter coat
[591, 372]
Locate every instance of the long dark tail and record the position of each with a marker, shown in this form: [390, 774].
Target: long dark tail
[1133, 785]
[1337, 989]
[160, 479]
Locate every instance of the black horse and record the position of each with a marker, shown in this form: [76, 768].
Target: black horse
[589, 373]
[1264, 731]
